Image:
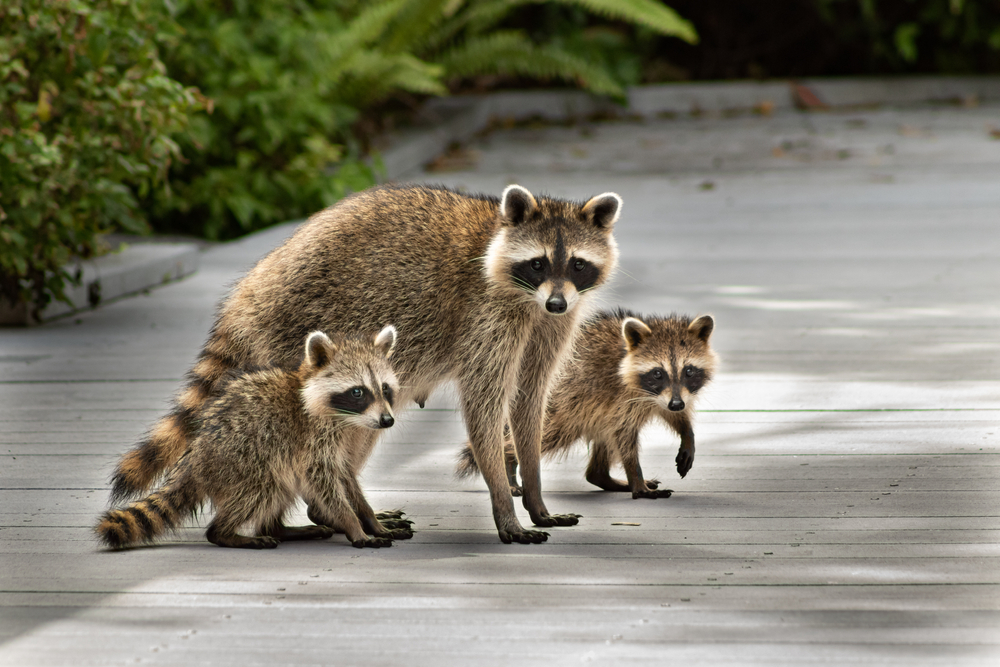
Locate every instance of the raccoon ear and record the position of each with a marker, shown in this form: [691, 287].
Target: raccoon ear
[320, 350]
[702, 327]
[603, 210]
[634, 331]
[516, 204]
[385, 341]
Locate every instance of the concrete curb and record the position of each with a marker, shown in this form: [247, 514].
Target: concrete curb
[445, 121]
[136, 268]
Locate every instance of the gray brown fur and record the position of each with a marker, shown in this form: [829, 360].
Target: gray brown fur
[600, 397]
[270, 436]
[439, 265]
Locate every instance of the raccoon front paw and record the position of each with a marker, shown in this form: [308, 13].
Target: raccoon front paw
[548, 520]
[390, 515]
[516, 491]
[372, 542]
[684, 460]
[652, 493]
[523, 536]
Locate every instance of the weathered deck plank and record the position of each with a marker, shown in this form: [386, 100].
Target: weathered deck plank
[844, 506]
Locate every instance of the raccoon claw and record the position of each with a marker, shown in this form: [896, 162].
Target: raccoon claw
[548, 520]
[524, 537]
[397, 524]
[390, 515]
[400, 533]
[684, 460]
[372, 542]
[652, 493]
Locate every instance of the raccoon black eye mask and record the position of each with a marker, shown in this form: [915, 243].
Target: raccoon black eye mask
[353, 401]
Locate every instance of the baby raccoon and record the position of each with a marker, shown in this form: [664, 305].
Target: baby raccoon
[625, 371]
[270, 436]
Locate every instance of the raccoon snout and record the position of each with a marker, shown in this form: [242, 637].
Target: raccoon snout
[556, 304]
[676, 404]
[386, 420]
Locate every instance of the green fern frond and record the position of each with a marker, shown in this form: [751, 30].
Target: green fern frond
[511, 52]
[649, 13]
[474, 19]
[374, 75]
[367, 27]
[412, 24]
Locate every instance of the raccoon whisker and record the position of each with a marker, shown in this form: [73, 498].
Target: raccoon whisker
[476, 259]
[650, 398]
[634, 279]
[526, 286]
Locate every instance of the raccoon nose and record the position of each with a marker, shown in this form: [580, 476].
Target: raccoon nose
[386, 420]
[556, 304]
[676, 404]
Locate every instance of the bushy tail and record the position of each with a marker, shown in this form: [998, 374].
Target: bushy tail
[151, 517]
[141, 466]
[166, 443]
[466, 466]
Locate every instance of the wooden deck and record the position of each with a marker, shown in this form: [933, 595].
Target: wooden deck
[844, 506]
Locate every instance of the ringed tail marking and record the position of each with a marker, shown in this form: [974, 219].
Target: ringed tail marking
[145, 520]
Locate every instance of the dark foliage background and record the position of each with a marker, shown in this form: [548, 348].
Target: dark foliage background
[791, 38]
[219, 117]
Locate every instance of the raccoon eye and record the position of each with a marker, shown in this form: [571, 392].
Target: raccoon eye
[579, 264]
[386, 390]
[357, 393]
[536, 265]
[658, 374]
[689, 371]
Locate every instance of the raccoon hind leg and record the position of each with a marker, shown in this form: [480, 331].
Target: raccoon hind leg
[229, 517]
[220, 534]
[599, 468]
[283, 533]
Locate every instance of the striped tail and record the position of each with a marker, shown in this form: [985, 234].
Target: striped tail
[140, 467]
[145, 520]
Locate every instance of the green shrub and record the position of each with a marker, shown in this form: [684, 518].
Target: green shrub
[86, 119]
[287, 80]
[290, 79]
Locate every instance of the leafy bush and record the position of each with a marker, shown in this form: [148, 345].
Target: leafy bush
[290, 80]
[86, 119]
[287, 80]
